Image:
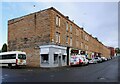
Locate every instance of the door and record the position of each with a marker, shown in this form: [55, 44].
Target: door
[60, 61]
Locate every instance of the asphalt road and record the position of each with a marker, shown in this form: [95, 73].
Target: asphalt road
[101, 72]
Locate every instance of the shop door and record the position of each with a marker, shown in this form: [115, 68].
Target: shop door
[60, 61]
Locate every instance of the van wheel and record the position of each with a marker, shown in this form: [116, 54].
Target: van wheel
[10, 66]
[16, 66]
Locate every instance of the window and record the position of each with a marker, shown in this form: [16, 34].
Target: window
[66, 26]
[9, 56]
[0, 57]
[64, 58]
[21, 56]
[70, 41]
[58, 21]
[81, 45]
[57, 37]
[77, 44]
[70, 28]
[66, 39]
[86, 37]
[77, 32]
[82, 35]
[55, 58]
[44, 58]
[86, 47]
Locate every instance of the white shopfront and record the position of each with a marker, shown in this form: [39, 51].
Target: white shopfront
[53, 56]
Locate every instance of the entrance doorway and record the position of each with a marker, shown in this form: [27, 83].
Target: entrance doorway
[59, 61]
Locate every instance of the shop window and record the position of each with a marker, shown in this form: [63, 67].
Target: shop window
[82, 52]
[64, 58]
[44, 58]
[74, 51]
[55, 58]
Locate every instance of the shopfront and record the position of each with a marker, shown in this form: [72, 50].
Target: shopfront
[53, 56]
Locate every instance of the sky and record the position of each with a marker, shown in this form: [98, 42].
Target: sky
[98, 18]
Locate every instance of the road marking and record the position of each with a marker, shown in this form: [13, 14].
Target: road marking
[24, 79]
[51, 75]
[68, 69]
[101, 78]
[6, 75]
[30, 70]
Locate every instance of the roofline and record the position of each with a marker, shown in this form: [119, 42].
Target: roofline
[76, 25]
[12, 52]
[28, 14]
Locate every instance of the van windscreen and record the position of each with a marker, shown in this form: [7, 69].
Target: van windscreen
[21, 56]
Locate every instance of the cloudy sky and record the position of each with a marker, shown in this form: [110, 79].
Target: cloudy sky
[98, 18]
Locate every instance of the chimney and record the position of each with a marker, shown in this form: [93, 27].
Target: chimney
[67, 17]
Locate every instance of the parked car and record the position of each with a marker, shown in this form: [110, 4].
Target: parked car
[78, 60]
[104, 59]
[98, 59]
[92, 61]
[83, 60]
[74, 60]
[109, 58]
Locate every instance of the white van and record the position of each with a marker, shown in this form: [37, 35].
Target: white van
[13, 58]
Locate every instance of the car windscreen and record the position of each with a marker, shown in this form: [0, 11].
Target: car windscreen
[21, 56]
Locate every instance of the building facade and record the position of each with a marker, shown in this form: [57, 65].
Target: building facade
[33, 32]
[112, 51]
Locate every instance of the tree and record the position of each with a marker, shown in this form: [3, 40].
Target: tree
[4, 47]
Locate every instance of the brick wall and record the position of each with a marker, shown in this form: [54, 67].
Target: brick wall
[27, 33]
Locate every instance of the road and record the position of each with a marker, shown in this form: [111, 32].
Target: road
[101, 72]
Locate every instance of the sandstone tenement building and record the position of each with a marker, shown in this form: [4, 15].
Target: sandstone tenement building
[34, 33]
